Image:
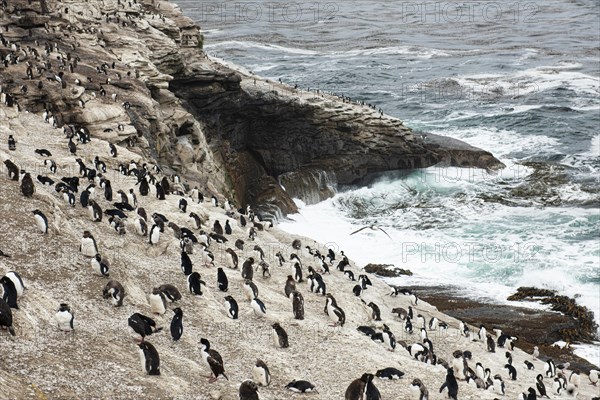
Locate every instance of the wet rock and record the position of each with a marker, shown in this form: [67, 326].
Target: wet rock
[386, 270]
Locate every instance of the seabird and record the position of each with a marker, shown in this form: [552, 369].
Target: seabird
[373, 228]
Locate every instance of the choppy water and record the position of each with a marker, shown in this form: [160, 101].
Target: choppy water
[520, 79]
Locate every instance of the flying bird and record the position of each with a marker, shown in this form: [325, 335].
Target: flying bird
[373, 228]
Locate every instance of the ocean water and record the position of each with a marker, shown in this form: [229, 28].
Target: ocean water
[520, 79]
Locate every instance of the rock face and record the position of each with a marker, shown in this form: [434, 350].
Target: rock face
[223, 129]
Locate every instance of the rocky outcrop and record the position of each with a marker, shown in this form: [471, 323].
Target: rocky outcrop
[138, 66]
[387, 270]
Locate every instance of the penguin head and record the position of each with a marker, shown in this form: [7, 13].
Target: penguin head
[178, 312]
[204, 343]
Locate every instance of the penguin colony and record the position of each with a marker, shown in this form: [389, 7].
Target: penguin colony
[215, 258]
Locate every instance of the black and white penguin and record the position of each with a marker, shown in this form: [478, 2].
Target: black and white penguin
[217, 228]
[419, 390]
[297, 270]
[197, 220]
[228, 229]
[142, 325]
[108, 194]
[6, 317]
[10, 294]
[95, 211]
[482, 334]
[112, 149]
[144, 188]
[212, 359]
[539, 383]
[131, 198]
[290, 286]
[248, 268]
[158, 303]
[51, 164]
[195, 283]
[12, 169]
[248, 390]
[231, 307]
[17, 282]
[301, 387]
[88, 245]
[297, 305]
[491, 345]
[72, 146]
[498, 385]
[183, 205]
[529, 365]
[250, 289]
[389, 373]
[149, 358]
[371, 391]
[222, 281]
[186, 263]
[357, 290]
[259, 308]
[336, 314]
[530, 395]
[388, 338]
[141, 227]
[115, 292]
[154, 235]
[451, 384]
[12, 143]
[160, 193]
[170, 292]
[65, 318]
[40, 220]
[550, 368]
[280, 336]
[357, 388]
[261, 373]
[177, 324]
[376, 312]
[44, 180]
[100, 265]
[27, 186]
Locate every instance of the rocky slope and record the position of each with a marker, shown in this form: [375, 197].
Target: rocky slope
[230, 131]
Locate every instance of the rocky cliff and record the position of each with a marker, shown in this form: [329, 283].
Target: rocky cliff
[134, 72]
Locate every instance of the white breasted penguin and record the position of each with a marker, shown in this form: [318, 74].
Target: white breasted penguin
[261, 373]
[186, 263]
[499, 387]
[482, 333]
[250, 289]
[390, 373]
[336, 314]
[183, 204]
[115, 292]
[451, 384]
[231, 307]
[10, 292]
[232, 258]
[280, 336]
[170, 292]
[88, 245]
[158, 303]
[6, 318]
[550, 368]
[212, 359]
[301, 387]
[40, 220]
[95, 211]
[112, 149]
[17, 282]
[154, 235]
[149, 358]
[388, 338]
[297, 272]
[132, 198]
[177, 324]
[222, 281]
[258, 307]
[290, 286]
[140, 226]
[65, 318]
[100, 265]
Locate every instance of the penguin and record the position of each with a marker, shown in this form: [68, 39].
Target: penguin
[154, 235]
[258, 307]
[290, 286]
[388, 338]
[376, 313]
[491, 345]
[575, 379]
[43, 152]
[400, 312]
[64, 318]
[41, 221]
[212, 359]
[72, 146]
[550, 368]
[177, 324]
[371, 392]
[183, 205]
[433, 323]
[51, 164]
[335, 313]
[298, 272]
[297, 305]
[280, 336]
[100, 265]
[217, 228]
[420, 321]
[10, 294]
[389, 373]
[482, 333]
[248, 390]
[144, 188]
[27, 187]
[248, 269]
[141, 227]
[108, 194]
[261, 373]
[239, 244]
[12, 143]
[214, 201]
[149, 358]
[556, 386]
[419, 389]
[44, 180]
[197, 220]
[131, 198]
[451, 384]
[12, 169]
[539, 383]
[301, 387]
[186, 263]
[142, 325]
[112, 150]
[222, 281]
[498, 385]
[357, 290]
[536, 352]
[170, 292]
[195, 283]
[529, 365]
[6, 317]
[250, 289]
[88, 245]
[158, 303]
[114, 291]
[95, 211]
[228, 229]
[231, 307]
[160, 194]
[593, 377]
[16, 280]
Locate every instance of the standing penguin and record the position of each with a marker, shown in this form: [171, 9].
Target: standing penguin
[217, 228]
[17, 282]
[100, 265]
[183, 204]
[261, 373]
[112, 149]
[10, 292]
[248, 390]
[290, 286]
[186, 263]
[108, 194]
[195, 283]
[88, 245]
[40, 220]
[27, 187]
[357, 388]
[491, 345]
[451, 384]
[95, 211]
[158, 303]
[154, 235]
[64, 318]
[297, 305]
[231, 307]
[250, 289]
[222, 281]
[419, 388]
[371, 392]
[259, 307]
[212, 359]
[335, 313]
[228, 229]
[232, 258]
[280, 336]
[144, 187]
[149, 358]
[177, 324]
[160, 193]
[115, 291]
[248, 269]
[12, 143]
